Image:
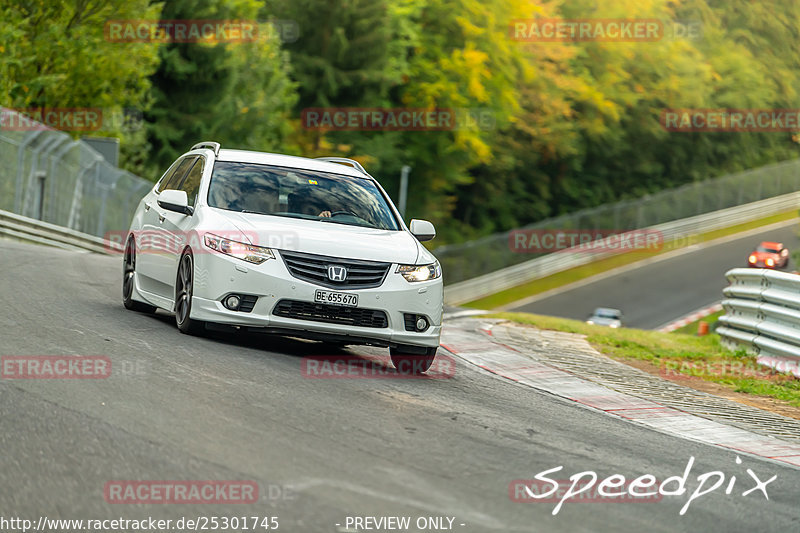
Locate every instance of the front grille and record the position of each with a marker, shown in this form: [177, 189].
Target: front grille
[314, 268]
[410, 321]
[334, 314]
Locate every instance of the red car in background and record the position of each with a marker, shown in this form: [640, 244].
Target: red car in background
[769, 255]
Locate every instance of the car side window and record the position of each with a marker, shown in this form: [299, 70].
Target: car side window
[191, 184]
[180, 171]
[168, 175]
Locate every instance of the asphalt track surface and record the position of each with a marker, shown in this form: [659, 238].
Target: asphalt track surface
[657, 293]
[236, 407]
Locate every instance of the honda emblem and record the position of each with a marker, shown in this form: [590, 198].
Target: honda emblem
[337, 273]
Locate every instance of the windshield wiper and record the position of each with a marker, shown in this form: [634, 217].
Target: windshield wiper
[360, 225]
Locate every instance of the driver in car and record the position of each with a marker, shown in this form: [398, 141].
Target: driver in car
[304, 201]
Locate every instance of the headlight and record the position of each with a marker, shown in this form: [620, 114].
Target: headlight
[752, 259]
[770, 262]
[245, 252]
[414, 273]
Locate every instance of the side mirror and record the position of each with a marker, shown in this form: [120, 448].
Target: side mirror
[422, 230]
[173, 200]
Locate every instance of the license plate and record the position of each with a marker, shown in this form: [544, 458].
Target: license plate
[336, 298]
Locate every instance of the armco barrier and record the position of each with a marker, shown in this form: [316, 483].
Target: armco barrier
[762, 315]
[509, 277]
[32, 230]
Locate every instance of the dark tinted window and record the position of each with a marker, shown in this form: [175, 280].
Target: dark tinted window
[167, 176]
[173, 181]
[762, 248]
[191, 184]
[296, 193]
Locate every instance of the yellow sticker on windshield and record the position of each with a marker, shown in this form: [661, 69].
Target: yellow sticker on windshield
[313, 182]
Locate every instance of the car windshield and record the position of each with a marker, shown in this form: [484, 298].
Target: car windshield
[296, 193]
[606, 313]
[762, 248]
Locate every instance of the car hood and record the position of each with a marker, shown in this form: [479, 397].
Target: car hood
[322, 238]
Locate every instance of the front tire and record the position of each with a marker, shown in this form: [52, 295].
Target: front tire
[183, 297]
[412, 359]
[128, 280]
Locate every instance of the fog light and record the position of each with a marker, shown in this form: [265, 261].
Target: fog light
[422, 324]
[232, 302]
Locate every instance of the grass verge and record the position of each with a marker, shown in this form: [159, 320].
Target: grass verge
[572, 275]
[677, 356]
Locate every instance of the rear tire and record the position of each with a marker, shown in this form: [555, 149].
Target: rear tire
[128, 280]
[412, 359]
[184, 285]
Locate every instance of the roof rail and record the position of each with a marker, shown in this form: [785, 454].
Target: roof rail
[345, 161]
[208, 144]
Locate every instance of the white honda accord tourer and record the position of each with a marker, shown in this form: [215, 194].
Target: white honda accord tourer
[310, 248]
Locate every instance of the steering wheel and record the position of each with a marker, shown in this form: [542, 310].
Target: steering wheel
[343, 212]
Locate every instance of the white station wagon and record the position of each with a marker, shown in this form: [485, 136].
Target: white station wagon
[310, 248]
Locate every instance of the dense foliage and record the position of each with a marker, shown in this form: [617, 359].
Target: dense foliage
[573, 124]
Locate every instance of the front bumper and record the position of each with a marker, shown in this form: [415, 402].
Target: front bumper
[217, 276]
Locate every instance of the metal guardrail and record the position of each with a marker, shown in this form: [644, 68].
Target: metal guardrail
[32, 230]
[507, 278]
[47, 175]
[762, 315]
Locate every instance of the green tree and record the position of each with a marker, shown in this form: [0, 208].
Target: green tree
[237, 93]
[55, 54]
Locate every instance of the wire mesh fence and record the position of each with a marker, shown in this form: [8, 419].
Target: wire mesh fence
[46, 175]
[475, 258]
